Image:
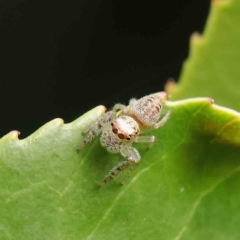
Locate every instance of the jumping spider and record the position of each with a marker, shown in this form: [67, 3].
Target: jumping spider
[122, 126]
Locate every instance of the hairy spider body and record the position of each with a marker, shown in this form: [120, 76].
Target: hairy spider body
[118, 137]
[146, 110]
[122, 126]
[119, 134]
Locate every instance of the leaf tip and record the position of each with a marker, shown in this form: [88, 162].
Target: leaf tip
[102, 109]
[56, 121]
[210, 100]
[195, 38]
[88, 118]
[12, 135]
[217, 1]
[170, 85]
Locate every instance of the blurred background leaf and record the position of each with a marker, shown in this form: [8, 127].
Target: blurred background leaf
[213, 66]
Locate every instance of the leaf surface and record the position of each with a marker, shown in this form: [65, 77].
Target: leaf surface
[49, 190]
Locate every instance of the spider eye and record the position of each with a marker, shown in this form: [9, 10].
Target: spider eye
[128, 138]
[112, 123]
[115, 130]
[121, 136]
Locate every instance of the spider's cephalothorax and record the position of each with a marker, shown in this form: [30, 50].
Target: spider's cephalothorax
[119, 134]
[122, 126]
[125, 127]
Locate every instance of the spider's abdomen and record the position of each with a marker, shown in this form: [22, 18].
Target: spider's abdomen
[147, 110]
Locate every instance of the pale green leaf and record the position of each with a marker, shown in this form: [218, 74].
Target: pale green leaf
[212, 69]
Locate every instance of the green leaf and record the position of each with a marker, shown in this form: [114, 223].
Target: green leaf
[49, 190]
[212, 69]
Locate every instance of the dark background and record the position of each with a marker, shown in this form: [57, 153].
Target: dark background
[62, 58]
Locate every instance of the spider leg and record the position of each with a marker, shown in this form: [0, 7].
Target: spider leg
[146, 139]
[132, 156]
[162, 121]
[85, 131]
[120, 107]
[96, 128]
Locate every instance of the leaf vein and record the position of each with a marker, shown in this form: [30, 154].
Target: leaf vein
[197, 203]
[115, 201]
